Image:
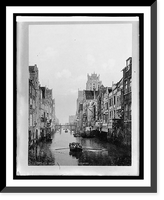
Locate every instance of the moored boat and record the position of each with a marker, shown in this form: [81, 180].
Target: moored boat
[76, 135]
[83, 135]
[88, 133]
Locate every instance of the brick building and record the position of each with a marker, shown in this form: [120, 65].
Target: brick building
[34, 124]
[41, 107]
[127, 99]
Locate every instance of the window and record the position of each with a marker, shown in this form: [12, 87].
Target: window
[114, 100]
[30, 101]
[106, 106]
[30, 120]
[130, 85]
[126, 112]
[33, 104]
[94, 86]
[118, 101]
[29, 135]
[130, 111]
[126, 86]
[106, 118]
[30, 89]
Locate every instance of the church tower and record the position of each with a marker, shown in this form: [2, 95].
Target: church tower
[93, 82]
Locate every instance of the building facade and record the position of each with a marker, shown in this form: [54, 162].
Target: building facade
[34, 125]
[47, 116]
[41, 108]
[32, 114]
[79, 110]
[127, 99]
[115, 110]
[107, 109]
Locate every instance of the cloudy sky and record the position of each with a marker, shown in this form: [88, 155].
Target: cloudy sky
[65, 54]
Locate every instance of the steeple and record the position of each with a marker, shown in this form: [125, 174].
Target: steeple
[93, 82]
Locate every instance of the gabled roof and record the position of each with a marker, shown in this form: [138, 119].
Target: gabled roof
[119, 83]
[33, 68]
[48, 91]
[130, 58]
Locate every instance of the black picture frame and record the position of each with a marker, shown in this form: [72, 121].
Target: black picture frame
[153, 187]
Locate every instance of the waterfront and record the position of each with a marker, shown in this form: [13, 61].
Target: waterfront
[96, 152]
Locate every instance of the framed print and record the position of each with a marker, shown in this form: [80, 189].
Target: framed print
[84, 88]
[97, 129]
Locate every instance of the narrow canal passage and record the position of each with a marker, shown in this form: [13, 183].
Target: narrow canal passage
[95, 152]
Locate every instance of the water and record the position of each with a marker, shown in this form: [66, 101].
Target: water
[95, 152]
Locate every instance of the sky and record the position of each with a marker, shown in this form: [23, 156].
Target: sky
[66, 53]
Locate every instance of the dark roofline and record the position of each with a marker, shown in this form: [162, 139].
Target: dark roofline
[126, 60]
[119, 81]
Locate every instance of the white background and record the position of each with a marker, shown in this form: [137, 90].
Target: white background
[9, 120]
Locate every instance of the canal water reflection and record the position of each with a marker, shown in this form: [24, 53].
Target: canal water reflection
[95, 152]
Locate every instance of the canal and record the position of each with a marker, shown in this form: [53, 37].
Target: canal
[96, 152]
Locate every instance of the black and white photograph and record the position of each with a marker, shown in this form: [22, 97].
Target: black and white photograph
[81, 99]
[82, 95]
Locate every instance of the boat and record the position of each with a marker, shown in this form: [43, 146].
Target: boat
[76, 135]
[88, 133]
[75, 146]
[49, 138]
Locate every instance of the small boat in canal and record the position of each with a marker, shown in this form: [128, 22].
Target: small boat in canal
[75, 146]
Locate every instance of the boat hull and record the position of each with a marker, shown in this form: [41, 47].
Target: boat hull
[76, 149]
